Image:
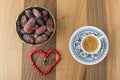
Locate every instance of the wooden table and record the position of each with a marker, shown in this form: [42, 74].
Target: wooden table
[70, 15]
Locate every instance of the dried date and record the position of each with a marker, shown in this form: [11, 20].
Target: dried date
[23, 20]
[44, 13]
[30, 25]
[29, 14]
[49, 24]
[28, 38]
[41, 39]
[36, 13]
[40, 30]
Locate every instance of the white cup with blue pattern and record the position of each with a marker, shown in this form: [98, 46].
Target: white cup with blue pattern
[78, 51]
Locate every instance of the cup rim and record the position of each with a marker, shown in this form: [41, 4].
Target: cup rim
[99, 44]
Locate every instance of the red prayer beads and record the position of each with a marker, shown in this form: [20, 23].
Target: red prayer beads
[45, 55]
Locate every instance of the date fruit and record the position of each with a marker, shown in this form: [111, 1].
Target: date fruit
[41, 39]
[28, 38]
[47, 33]
[29, 13]
[29, 25]
[49, 24]
[37, 13]
[23, 20]
[50, 29]
[40, 30]
[44, 13]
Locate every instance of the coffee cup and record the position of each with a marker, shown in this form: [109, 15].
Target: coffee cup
[90, 44]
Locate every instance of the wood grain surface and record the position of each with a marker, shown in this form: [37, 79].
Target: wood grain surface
[70, 15]
[28, 73]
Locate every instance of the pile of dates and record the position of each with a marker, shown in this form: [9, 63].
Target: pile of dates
[35, 26]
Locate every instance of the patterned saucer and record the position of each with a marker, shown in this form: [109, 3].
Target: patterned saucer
[82, 56]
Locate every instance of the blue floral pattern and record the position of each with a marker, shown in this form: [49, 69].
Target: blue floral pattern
[84, 57]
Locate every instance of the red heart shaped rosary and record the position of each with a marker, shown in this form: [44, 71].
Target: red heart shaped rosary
[45, 55]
